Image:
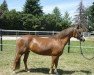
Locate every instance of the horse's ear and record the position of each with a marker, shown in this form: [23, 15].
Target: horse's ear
[79, 28]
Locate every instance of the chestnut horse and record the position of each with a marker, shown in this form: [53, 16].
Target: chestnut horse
[51, 46]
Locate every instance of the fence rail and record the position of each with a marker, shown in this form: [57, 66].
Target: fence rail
[14, 34]
[23, 32]
[19, 32]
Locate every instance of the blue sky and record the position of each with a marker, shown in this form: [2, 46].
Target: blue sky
[49, 5]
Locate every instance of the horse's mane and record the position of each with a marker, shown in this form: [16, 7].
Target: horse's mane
[64, 32]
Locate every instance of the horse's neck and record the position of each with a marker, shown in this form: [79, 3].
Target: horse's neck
[64, 33]
[65, 40]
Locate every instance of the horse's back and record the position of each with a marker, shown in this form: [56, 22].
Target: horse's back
[26, 38]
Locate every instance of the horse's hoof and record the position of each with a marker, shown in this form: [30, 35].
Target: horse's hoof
[50, 72]
[27, 70]
[13, 72]
[57, 73]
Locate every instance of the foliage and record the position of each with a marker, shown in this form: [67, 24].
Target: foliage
[30, 22]
[47, 22]
[81, 18]
[11, 20]
[32, 18]
[54, 21]
[4, 6]
[32, 7]
[50, 22]
[66, 20]
[90, 14]
[56, 12]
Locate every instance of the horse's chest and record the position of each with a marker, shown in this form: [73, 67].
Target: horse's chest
[57, 51]
[57, 48]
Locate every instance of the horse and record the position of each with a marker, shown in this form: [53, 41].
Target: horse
[51, 46]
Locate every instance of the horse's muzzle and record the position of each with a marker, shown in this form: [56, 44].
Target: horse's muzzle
[82, 39]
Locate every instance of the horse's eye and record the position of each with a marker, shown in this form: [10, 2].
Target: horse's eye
[79, 32]
[81, 35]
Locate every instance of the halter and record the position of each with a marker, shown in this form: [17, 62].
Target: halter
[83, 53]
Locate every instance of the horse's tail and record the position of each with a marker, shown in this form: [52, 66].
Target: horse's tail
[17, 61]
[18, 64]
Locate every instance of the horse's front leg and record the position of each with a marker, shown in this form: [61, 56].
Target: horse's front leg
[51, 69]
[54, 62]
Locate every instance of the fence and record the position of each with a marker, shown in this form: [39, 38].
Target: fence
[14, 34]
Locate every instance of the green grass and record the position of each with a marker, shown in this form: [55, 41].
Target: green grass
[71, 63]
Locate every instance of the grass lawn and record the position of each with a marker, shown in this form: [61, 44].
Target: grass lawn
[71, 63]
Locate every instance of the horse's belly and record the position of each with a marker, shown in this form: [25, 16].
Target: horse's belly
[42, 52]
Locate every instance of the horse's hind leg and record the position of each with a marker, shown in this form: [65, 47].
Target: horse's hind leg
[17, 61]
[25, 60]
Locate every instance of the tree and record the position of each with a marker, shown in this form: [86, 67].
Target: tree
[81, 18]
[4, 6]
[31, 22]
[57, 18]
[66, 20]
[49, 22]
[90, 14]
[1, 12]
[32, 7]
[54, 21]
[56, 12]
[62, 22]
[11, 20]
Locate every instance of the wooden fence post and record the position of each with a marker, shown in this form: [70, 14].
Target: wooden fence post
[69, 46]
[1, 42]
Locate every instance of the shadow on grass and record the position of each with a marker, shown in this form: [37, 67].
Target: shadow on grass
[60, 71]
[86, 72]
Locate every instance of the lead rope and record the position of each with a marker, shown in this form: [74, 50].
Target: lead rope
[83, 53]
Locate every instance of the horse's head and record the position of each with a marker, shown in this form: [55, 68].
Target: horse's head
[77, 33]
